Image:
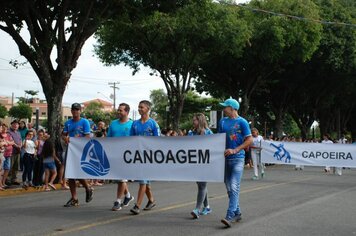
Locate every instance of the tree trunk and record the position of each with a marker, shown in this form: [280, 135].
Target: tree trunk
[278, 124]
[177, 86]
[54, 111]
[178, 103]
[244, 105]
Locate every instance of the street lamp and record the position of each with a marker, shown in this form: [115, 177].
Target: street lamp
[167, 112]
[37, 117]
[109, 99]
[104, 96]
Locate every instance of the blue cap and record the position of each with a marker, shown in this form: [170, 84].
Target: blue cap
[231, 103]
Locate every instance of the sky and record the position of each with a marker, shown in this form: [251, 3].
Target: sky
[89, 80]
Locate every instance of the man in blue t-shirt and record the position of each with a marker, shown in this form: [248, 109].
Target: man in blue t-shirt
[145, 126]
[238, 138]
[77, 127]
[119, 128]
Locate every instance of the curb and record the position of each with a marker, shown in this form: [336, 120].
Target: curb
[20, 190]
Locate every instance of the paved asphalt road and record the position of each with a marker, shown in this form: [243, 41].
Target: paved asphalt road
[286, 202]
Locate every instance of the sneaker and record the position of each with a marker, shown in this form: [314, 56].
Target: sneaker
[195, 213]
[15, 183]
[127, 201]
[206, 210]
[72, 203]
[254, 177]
[238, 217]
[89, 195]
[117, 206]
[262, 175]
[150, 205]
[135, 210]
[226, 222]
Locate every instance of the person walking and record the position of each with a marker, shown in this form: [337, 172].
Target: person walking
[238, 137]
[326, 139]
[119, 128]
[145, 126]
[256, 152]
[200, 127]
[77, 127]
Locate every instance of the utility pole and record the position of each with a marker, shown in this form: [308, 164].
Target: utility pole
[114, 86]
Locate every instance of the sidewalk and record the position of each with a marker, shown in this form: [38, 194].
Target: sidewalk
[18, 190]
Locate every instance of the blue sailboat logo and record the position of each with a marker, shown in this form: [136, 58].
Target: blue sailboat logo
[94, 160]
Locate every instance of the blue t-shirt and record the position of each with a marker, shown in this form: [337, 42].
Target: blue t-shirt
[78, 128]
[118, 129]
[236, 131]
[149, 128]
[193, 132]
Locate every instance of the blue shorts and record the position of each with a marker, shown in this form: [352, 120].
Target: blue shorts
[50, 166]
[144, 182]
[7, 163]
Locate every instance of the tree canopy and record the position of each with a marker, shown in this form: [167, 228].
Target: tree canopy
[3, 111]
[21, 111]
[173, 44]
[57, 32]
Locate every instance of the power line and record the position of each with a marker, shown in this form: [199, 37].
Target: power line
[113, 85]
[294, 17]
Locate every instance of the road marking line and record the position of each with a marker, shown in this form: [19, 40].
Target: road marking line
[176, 206]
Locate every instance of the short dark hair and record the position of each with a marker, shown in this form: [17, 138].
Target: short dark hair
[29, 131]
[14, 121]
[127, 106]
[147, 103]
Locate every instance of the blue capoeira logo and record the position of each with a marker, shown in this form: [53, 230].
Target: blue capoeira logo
[94, 160]
[281, 153]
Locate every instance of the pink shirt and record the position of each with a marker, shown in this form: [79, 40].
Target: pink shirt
[8, 148]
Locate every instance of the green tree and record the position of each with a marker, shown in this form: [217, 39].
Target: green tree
[336, 62]
[3, 111]
[276, 42]
[95, 112]
[63, 26]
[329, 76]
[193, 104]
[159, 101]
[31, 93]
[21, 111]
[173, 44]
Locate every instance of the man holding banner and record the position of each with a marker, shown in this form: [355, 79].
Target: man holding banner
[77, 127]
[145, 126]
[238, 137]
[119, 128]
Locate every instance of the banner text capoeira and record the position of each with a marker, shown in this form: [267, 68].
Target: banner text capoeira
[188, 158]
[312, 154]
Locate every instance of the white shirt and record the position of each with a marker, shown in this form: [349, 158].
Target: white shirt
[256, 142]
[30, 146]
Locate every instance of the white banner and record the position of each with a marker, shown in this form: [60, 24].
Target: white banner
[189, 158]
[312, 154]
